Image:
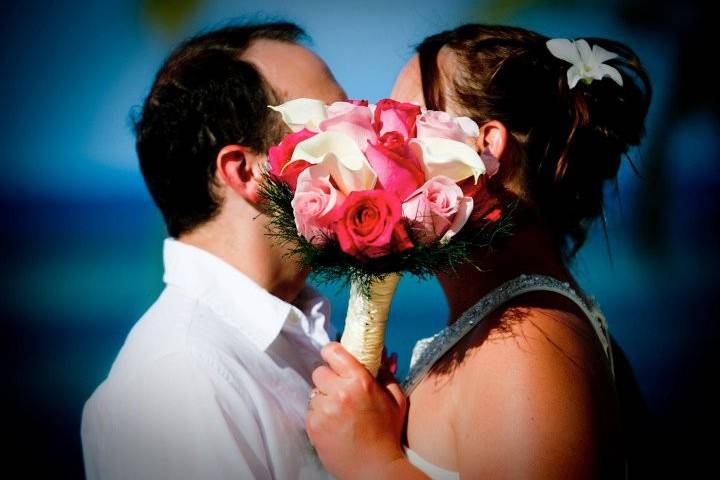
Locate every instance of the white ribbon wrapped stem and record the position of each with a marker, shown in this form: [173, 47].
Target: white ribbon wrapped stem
[364, 332]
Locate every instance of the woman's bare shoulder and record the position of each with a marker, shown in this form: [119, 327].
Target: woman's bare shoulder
[534, 383]
[540, 331]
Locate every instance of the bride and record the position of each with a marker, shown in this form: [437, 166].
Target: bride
[520, 384]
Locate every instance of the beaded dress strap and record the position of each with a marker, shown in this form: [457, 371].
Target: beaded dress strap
[433, 348]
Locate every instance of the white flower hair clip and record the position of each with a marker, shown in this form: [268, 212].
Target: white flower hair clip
[587, 63]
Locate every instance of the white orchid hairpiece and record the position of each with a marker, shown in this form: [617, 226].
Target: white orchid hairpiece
[587, 63]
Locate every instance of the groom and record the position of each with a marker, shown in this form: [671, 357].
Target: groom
[213, 381]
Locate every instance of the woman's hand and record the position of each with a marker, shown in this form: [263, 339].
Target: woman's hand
[354, 422]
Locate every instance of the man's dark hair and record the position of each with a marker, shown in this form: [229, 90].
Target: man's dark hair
[203, 98]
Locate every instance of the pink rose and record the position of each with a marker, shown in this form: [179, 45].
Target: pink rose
[439, 125]
[279, 155]
[353, 120]
[362, 103]
[316, 204]
[397, 167]
[392, 116]
[437, 210]
[370, 225]
[492, 164]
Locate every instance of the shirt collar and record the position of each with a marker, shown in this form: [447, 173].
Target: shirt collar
[235, 297]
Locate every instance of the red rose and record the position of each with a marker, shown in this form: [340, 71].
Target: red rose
[397, 168]
[494, 216]
[279, 156]
[392, 116]
[370, 225]
[487, 206]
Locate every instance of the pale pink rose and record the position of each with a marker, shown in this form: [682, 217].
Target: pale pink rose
[437, 210]
[443, 125]
[354, 120]
[336, 109]
[315, 205]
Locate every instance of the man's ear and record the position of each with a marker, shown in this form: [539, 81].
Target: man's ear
[239, 168]
[492, 139]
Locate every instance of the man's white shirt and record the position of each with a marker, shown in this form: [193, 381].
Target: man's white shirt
[212, 382]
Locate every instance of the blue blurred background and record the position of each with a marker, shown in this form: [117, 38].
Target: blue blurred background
[82, 240]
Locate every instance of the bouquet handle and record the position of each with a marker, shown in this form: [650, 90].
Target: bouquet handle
[364, 333]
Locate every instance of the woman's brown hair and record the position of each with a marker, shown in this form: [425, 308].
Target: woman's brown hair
[566, 142]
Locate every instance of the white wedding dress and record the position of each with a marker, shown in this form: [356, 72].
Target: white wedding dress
[429, 350]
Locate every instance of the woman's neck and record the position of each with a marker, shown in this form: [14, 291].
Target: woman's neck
[529, 251]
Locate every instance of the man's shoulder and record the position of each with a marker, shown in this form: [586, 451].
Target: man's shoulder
[178, 375]
[160, 409]
[164, 329]
[176, 326]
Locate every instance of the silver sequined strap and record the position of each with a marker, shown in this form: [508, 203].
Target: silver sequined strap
[444, 340]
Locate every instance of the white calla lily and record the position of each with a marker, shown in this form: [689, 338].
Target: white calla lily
[341, 157]
[587, 63]
[302, 113]
[453, 159]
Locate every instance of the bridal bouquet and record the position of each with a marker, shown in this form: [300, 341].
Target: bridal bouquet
[364, 192]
